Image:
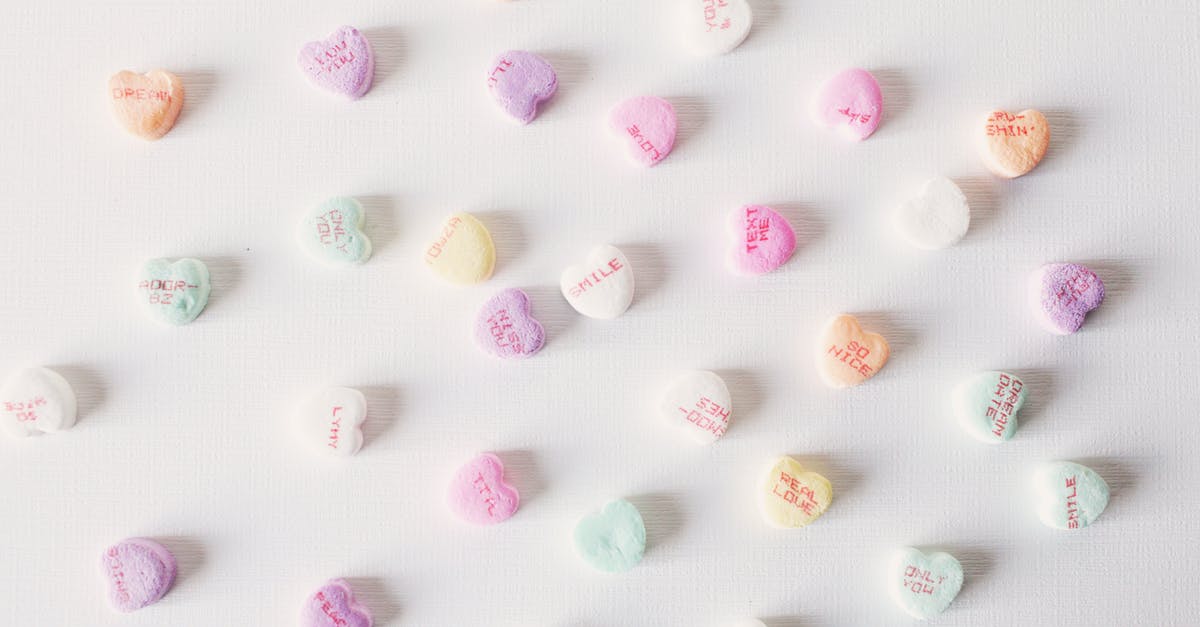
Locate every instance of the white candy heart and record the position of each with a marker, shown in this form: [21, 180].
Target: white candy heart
[330, 421]
[712, 27]
[924, 585]
[699, 404]
[601, 288]
[36, 400]
[937, 218]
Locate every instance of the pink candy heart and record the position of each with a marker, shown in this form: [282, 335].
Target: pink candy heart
[647, 125]
[763, 240]
[343, 63]
[478, 493]
[506, 328]
[334, 605]
[519, 82]
[850, 103]
[138, 571]
[1063, 294]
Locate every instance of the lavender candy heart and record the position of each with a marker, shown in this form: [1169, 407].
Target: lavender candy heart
[334, 605]
[1063, 294]
[343, 63]
[506, 328]
[519, 82]
[138, 571]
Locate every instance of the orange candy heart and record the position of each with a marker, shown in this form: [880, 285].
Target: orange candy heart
[1014, 144]
[146, 104]
[847, 355]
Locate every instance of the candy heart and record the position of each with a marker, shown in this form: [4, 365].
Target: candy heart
[174, 292]
[479, 495]
[334, 605]
[612, 540]
[1063, 293]
[36, 400]
[935, 219]
[792, 497]
[519, 82]
[1069, 495]
[713, 27]
[138, 571]
[987, 404]
[924, 585]
[463, 253]
[1012, 145]
[603, 287]
[343, 63]
[847, 355]
[699, 404]
[647, 126]
[763, 240]
[332, 232]
[147, 105]
[850, 103]
[506, 328]
[330, 421]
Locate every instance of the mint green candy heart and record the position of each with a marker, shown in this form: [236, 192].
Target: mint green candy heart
[986, 405]
[332, 232]
[174, 292]
[612, 540]
[924, 585]
[1069, 495]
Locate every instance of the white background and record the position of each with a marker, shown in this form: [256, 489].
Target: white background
[183, 433]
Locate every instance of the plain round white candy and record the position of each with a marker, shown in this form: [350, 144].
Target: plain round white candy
[937, 218]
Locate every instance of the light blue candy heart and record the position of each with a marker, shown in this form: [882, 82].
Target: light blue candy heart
[924, 585]
[1069, 495]
[332, 232]
[986, 405]
[174, 293]
[612, 540]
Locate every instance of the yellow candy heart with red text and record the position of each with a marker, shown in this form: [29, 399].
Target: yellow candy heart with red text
[1013, 144]
[791, 497]
[847, 355]
[146, 104]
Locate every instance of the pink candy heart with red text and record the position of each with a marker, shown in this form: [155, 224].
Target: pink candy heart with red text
[647, 126]
[850, 103]
[763, 240]
[478, 493]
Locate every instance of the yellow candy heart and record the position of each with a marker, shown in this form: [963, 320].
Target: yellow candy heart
[792, 497]
[1014, 144]
[847, 355]
[146, 104]
[463, 253]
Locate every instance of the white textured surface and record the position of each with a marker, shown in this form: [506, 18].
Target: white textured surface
[182, 432]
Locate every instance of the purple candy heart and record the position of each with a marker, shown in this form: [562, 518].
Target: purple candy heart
[506, 328]
[343, 63]
[519, 81]
[138, 571]
[1063, 294]
[333, 605]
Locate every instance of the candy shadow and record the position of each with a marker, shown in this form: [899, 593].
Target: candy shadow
[1120, 278]
[383, 411]
[508, 236]
[88, 385]
[649, 269]
[983, 196]
[374, 593]
[381, 223]
[190, 556]
[747, 390]
[198, 89]
[767, 14]
[1065, 131]
[225, 273]
[808, 224]
[897, 94]
[844, 478]
[1121, 475]
[522, 469]
[552, 310]
[662, 515]
[389, 48]
[692, 114]
[901, 336]
[572, 69]
[1040, 394]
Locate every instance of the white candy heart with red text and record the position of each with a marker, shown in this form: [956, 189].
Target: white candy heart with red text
[602, 287]
[330, 421]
